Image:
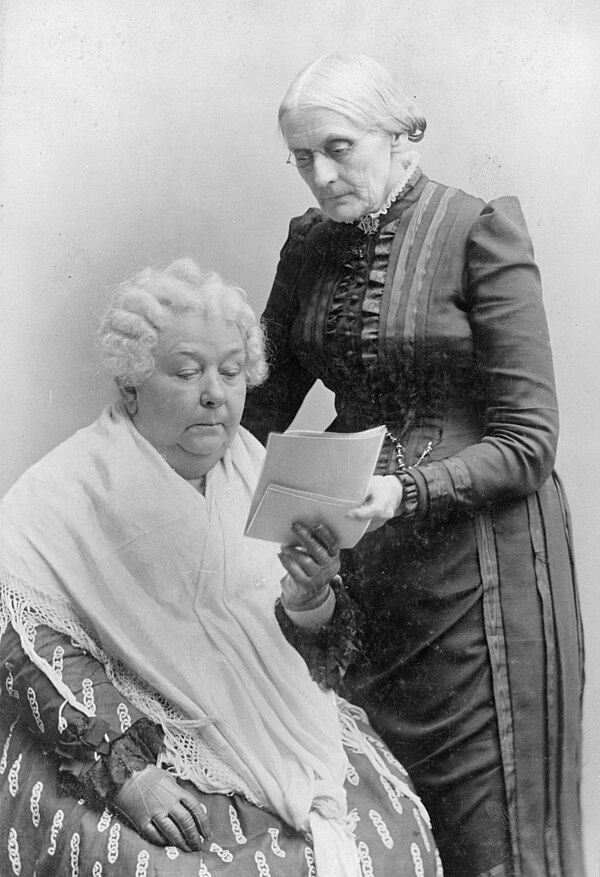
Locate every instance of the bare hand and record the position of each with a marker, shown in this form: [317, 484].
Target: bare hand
[310, 566]
[162, 811]
[382, 501]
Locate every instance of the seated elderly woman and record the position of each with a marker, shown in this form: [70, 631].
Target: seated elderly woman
[155, 719]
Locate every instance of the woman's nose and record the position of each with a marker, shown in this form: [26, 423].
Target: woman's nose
[324, 170]
[212, 392]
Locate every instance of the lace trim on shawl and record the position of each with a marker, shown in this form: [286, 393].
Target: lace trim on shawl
[353, 738]
[185, 750]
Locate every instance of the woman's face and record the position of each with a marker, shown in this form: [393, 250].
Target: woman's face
[190, 408]
[345, 191]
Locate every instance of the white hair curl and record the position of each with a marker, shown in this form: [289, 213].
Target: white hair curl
[139, 308]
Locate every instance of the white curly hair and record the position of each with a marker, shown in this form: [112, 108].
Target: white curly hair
[139, 308]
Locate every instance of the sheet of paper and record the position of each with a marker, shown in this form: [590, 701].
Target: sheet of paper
[334, 467]
[281, 506]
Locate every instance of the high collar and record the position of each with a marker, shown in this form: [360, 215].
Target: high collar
[411, 193]
[370, 222]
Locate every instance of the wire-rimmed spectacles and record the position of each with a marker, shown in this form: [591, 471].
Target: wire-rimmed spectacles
[304, 158]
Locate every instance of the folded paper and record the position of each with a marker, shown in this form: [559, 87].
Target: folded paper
[314, 477]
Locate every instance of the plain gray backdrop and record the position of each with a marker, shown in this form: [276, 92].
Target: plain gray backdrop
[134, 132]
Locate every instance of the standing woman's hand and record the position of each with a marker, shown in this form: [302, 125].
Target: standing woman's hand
[310, 567]
[382, 501]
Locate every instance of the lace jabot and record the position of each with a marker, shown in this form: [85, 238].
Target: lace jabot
[369, 223]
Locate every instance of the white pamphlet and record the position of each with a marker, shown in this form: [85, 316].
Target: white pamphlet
[312, 477]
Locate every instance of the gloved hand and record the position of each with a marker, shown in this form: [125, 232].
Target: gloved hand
[162, 811]
[310, 567]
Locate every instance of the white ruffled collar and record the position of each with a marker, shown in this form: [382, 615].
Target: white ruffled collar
[369, 223]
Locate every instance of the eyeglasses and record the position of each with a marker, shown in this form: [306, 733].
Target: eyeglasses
[304, 158]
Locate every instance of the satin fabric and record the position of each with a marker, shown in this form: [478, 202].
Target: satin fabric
[472, 659]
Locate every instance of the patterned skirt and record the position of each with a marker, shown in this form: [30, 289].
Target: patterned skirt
[47, 833]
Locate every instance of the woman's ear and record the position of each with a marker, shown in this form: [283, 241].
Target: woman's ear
[129, 397]
[399, 142]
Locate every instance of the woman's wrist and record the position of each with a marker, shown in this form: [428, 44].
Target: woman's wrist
[408, 507]
[328, 648]
[306, 602]
[313, 618]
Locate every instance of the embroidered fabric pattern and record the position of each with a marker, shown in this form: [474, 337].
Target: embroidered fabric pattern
[184, 747]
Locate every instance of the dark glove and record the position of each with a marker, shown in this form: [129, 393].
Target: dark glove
[310, 567]
[162, 811]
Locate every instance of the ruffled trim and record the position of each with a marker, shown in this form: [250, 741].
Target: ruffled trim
[139, 746]
[346, 304]
[371, 308]
[410, 506]
[369, 223]
[329, 650]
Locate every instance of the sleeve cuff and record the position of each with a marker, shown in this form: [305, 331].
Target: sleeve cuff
[138, 747]
[415, 497]
[313, 618]
[330, 649]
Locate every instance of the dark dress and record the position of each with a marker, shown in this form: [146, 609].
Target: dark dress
[472, 663]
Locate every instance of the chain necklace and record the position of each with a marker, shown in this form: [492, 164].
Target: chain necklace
[399, 453]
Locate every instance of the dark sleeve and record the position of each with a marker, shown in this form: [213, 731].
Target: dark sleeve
[272, 406]
[100, 751]
[329, 650]
[517, 450]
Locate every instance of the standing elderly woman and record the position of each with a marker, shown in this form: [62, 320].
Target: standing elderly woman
[151, 705]
[420, 307]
